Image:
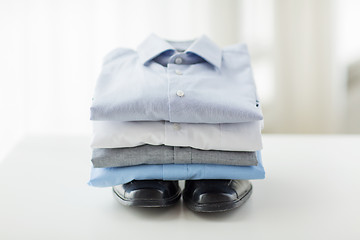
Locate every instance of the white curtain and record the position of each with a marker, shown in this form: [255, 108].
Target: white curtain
[51, 54]
[304, 88]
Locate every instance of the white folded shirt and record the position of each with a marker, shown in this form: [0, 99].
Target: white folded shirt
[244, 136]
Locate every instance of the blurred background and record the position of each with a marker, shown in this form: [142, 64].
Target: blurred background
[305, 57]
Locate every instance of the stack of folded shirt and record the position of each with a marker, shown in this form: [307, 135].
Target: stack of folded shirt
[176, 111]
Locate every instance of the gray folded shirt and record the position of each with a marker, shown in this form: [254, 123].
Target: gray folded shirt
[161, 154]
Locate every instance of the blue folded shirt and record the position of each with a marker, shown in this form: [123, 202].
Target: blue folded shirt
[107, 177]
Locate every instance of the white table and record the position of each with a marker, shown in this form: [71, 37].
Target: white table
[312, 191]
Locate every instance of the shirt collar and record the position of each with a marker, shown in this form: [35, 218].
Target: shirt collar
[153, 46]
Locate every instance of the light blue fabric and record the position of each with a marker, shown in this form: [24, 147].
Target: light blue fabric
[187, 82]
[107, 177]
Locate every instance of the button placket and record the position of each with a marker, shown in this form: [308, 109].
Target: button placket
[178, 60]
[176, 87]
[180, 93]
[178, 72]
[173, 133]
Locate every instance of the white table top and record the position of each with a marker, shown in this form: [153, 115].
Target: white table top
[312, 191]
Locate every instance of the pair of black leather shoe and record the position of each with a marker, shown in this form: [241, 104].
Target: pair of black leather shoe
[198, 195]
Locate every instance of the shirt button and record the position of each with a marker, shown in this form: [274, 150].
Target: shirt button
[178, 60]
[176, 126]
[178, 72]
[180, 93]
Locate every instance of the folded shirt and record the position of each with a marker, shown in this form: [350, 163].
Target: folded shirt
[227, 137]
[188, 82]
[107, 177]
[149, 154]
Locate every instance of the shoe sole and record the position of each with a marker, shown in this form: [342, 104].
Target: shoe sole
[217, 207]
[149, 203]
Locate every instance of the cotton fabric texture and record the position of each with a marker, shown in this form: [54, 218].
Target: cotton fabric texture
[149, 154]
[176, 111]
[244, 136]
[107, 177]
[207, 84]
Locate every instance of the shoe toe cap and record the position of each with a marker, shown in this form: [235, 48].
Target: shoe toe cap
[147, 194]
[148, 190]
[204, 198]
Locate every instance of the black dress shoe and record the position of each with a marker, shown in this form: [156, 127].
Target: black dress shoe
[216, 195]
[148, 193]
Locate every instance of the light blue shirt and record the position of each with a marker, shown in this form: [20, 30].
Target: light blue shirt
[107, 177]
[189, 82]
